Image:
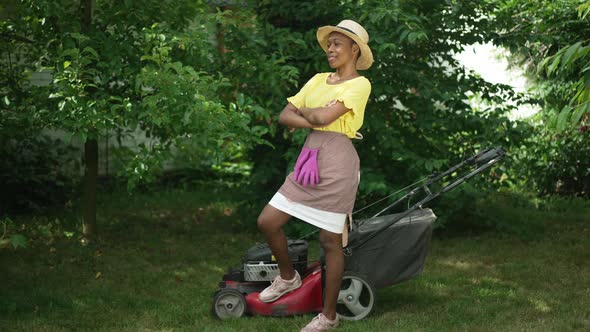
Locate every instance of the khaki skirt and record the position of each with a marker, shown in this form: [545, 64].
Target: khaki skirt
[338, 166]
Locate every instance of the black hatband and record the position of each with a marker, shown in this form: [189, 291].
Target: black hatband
[346, 29]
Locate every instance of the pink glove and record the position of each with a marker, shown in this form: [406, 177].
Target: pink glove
[309, 174]
[303, 157]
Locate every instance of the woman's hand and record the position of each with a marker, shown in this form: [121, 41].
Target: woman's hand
[291, 117]
[323, 116]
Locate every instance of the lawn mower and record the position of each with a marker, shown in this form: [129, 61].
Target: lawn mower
[382, 250]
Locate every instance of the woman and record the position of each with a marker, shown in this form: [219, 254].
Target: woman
[322, 188]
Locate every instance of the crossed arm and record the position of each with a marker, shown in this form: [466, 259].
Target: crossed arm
[316, 117]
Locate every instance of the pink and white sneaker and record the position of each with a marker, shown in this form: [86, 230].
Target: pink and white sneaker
[321, 323]
[280, 287]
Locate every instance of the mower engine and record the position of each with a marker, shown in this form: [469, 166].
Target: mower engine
[259, 264]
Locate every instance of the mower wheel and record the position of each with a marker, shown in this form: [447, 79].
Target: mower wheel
[229, 303]
[356, 299]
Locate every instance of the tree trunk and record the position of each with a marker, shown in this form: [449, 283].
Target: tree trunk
[90, 180]
[90, 149]
[86, 9]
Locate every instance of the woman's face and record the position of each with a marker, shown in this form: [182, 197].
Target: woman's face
[341, 50]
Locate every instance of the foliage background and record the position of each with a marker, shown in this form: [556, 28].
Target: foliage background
[207, 80]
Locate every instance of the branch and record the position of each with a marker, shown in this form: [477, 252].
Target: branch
[9, 36]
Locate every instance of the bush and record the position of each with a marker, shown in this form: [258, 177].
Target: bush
[35, 171]
[469, 210]
[555, 164]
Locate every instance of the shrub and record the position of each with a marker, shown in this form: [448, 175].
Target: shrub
[35, 171]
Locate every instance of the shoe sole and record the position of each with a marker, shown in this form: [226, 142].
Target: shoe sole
[280, 295]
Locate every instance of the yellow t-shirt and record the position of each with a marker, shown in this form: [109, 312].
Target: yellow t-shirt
[353, 94]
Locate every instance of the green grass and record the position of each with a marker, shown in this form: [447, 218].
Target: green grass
[160, 257]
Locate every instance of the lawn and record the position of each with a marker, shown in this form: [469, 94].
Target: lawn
[160, 256]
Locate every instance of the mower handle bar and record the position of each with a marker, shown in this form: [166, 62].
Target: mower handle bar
[482, 161]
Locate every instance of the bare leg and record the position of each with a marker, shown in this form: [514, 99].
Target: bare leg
[270, 223]
[332, 244]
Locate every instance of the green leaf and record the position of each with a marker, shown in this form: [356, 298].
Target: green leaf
[579, 112]
[543, 65]
[582, 94]
[90, 50]
[562, 118]
[18, 240]
[403, 35]
[240, 100]
[79, 37]
[73, 52]
[67, 64]
[569, 53]
[586, 78]
[187, 116]
[584, 10]
[553, 66]
[176, 66]
[416, 36]
[148, 57]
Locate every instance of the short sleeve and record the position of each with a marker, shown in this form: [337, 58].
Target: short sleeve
[356, 95]
[299, 99]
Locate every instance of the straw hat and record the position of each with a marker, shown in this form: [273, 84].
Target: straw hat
[356, 32]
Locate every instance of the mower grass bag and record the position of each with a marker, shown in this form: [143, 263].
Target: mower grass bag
[394, 254]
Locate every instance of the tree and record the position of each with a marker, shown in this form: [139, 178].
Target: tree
[570, 62]
[549, 39]
[116, 65]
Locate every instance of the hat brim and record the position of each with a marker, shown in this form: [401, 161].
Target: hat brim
[364, 61]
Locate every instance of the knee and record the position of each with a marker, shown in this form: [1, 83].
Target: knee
[265, 224]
